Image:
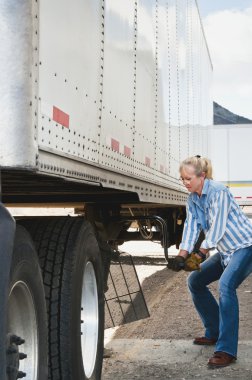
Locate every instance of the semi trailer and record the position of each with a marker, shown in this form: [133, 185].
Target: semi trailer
[99, 102]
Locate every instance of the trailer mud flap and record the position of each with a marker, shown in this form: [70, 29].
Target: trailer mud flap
[124, 299]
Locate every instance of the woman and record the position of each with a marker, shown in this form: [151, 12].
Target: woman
[212, 208]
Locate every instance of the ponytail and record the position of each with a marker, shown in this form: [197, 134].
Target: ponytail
[200, 164]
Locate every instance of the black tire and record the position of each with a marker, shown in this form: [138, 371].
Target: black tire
[27, 317]
[65, 246]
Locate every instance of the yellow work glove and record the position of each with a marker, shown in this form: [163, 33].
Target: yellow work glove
[193, 262]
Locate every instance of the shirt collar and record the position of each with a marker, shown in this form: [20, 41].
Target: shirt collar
[195, 196]
[205, 187]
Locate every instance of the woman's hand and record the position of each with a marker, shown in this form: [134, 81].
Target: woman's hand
[178, 262]
[194, 260]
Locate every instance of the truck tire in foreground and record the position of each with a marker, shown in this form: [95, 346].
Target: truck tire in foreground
[26, 343]
[73, 280]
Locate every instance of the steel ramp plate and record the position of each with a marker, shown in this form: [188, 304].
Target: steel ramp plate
[124, 299]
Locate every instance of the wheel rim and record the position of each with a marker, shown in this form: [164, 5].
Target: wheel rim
[89, 319]
[22, 322]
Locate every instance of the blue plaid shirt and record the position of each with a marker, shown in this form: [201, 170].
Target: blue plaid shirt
[216, 212]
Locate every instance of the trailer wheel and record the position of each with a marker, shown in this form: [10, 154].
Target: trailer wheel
[26, 341]
[73, 279]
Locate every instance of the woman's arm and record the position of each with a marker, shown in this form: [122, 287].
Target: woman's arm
[191, 232]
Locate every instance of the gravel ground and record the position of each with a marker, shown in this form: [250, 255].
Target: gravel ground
[160, 347]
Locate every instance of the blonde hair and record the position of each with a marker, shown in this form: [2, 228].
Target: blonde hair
[200, 164]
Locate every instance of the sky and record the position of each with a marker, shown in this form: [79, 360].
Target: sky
[228, 29]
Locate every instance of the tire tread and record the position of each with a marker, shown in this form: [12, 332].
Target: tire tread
[50, 236]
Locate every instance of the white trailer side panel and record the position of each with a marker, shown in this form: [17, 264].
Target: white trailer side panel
[70, 77]
[118, 100]
[146, 91]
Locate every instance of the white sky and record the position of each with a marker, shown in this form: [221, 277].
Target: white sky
[228, 29]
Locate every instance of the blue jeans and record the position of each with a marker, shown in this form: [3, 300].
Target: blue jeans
[221, 321]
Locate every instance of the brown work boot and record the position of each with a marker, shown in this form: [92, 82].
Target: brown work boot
[220, 359]
[204, 341]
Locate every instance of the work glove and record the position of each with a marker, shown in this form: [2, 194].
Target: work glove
[177, 263]
[193, 261]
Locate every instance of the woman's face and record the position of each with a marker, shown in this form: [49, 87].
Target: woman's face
[191, 181]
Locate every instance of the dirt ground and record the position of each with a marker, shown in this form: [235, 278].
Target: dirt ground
[160, 347]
